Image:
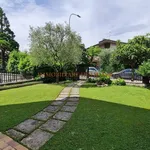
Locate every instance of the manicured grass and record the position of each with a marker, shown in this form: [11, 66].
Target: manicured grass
[110, 118]
[18, 104]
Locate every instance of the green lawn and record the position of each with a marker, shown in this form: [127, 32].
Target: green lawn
[18, 104]
[109, 118]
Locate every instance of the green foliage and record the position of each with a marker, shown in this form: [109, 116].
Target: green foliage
[104, 79]
[91, 80]
[134, 52]
[84, 58]
[19, 62]
[92, 52]
[144, 68]
[7, 41]
[68, 81]
[24, 65]
[37, 78]
[13, 61]
[115, 63]
[119, 82]
[105, 60]
[55, 45]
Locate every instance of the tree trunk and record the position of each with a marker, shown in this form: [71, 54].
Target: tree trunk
[3, 59]
[146, 80]
[88, 72]
[132, 78]
[57, 76]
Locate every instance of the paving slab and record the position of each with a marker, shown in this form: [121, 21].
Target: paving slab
[74, 95]
[71, 104]
[28, 125]
[57, 103]
[60, 99]
[67, 89]
[63, 115]
[63, 96]
[37, 139]
[69, 108]
[51, 108]
[15, 134]
[53, 125]
[73, 99]
[74, 91]
[43, 116]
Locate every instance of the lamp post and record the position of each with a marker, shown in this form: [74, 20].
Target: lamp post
[70, 21]
[71, 16]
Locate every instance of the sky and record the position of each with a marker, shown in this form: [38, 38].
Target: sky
[100, 19]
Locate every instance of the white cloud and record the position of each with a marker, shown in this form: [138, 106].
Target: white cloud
[124, 19]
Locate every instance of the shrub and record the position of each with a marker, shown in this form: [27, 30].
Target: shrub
[68, 81]
[144, 70]
[91, 80]
[37, 78]
[119, 82]
[104, 79]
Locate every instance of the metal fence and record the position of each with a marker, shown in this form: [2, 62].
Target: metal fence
[6, 77]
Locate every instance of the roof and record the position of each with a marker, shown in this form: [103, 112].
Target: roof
[106, 41]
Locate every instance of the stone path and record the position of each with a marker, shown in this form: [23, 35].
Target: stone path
[36, 131]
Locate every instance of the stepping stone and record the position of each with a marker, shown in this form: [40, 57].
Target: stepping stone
[42, 116]
[63, 96]
[52, 125]
[63, 115]
[73, 99]
[28, 125]
[72, 103]
[15, 134]
[65, 93]
[51, 108]
[37, 139]
[75, 91]
[60, 99]
[69, 108]
[57, 103]
[74, 95]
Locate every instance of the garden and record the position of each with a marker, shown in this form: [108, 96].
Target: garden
[99, 113]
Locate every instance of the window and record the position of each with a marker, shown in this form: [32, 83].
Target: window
[107, 45]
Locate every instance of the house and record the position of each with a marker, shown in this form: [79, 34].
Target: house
[104, 44]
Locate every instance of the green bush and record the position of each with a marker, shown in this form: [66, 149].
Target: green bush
[119, 82]
[104, 79]
[91, 80]
[68, 81]
[37, 78]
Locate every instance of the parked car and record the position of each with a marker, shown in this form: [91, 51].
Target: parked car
[126, 74]
[93, 71]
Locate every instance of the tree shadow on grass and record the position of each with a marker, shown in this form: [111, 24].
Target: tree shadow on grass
[96, 124]
[101, 125]
[11, 115]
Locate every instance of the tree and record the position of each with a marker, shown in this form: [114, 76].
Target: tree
[25, 65]
[19, 62]
[134, 52]
[13, 61]
[144, 70]
[93, 52]
[6, 36]
[55, 45]
[105, 60]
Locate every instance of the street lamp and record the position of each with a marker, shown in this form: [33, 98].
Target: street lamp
[73, 15]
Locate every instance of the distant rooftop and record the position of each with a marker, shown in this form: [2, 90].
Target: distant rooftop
[106, 41]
